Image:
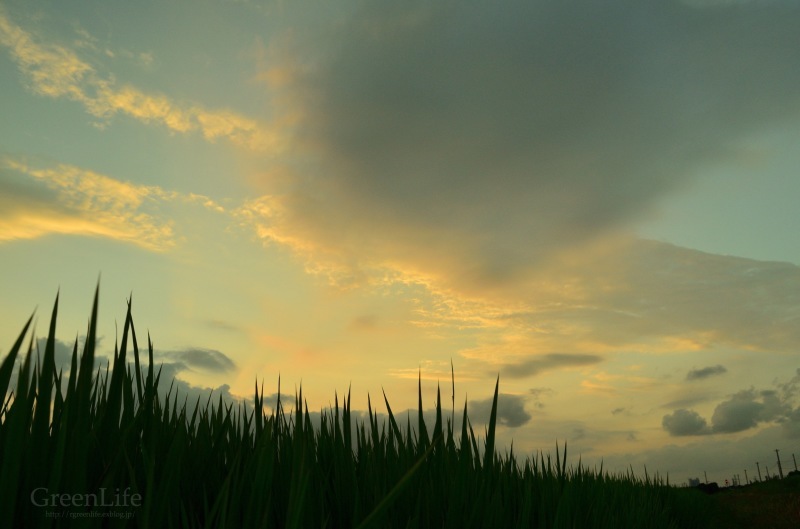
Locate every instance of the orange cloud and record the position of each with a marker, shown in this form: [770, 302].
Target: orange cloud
[69, 200]
[53, 71]
[56, 71]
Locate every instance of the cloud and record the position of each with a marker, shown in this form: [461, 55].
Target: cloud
[55, 70]
[736, 415]
[465, 146]
[63, 353]
[791, 388]
[204, 359]
[52, 71]
[365, 322]
[538, 395]
[578, 434]
[746, 409]
[69, 200]
[547, 362]
[222, 325]
[499, 157]
[699, 374]
[718, 456]
[741, 411]
[287, 401]
[182, 392]
[207, 359]
[685, 422]
[653, 297]
[510, 410]
[539, 392]
[791, 425]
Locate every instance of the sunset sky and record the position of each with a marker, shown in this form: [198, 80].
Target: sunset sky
[597, 201]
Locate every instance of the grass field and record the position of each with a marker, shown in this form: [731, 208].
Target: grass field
[102, 449]
[774, 504]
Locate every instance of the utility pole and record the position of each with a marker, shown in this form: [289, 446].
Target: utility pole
[780, 469]
[706, 475]
[759, 471]
[768, 476]
[746, 479]
[795, 462]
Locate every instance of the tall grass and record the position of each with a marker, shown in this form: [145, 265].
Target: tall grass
[105, 438]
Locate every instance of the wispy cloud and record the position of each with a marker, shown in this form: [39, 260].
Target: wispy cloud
[65, 199]
[56, 70]
[203, 359]
[699, 374]
[52, 71]
[538, 364]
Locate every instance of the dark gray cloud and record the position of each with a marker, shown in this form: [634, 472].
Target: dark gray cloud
[741, 411]
[685, 422]
[548, 362]
[204, 359]
[791, 425]
[63, 356]
[538, 394]
[788, 393]
[287, 400]
[510, 410]
[705, 372]
[736, 415]
[441, 125]
[170, 371]
[746, 409]
[183, 392]
[63, 353]
[791, 388]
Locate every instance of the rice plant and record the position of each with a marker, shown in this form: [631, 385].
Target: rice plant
[103, 449]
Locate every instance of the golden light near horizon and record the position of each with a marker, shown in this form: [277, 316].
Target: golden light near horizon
[596, 203]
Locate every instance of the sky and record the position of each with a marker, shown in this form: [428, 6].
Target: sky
[594, 201]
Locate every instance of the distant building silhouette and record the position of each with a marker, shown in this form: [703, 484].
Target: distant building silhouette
[709, 488]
